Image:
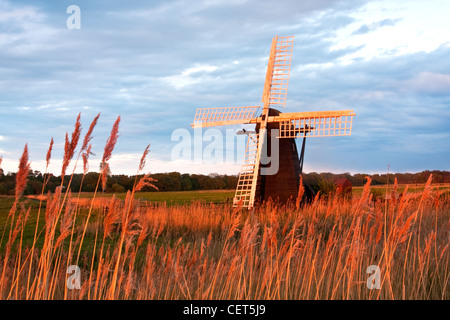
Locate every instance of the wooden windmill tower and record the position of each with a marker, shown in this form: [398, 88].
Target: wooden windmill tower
[254, 187]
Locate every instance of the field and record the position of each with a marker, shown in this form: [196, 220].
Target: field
[132, 249]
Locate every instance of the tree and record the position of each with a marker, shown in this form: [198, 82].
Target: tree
[117, 188]
[185, 183]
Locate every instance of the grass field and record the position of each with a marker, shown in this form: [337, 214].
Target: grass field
[182, 197]
[223, 196]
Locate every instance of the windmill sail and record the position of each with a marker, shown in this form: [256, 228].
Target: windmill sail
[277, 76]
[209, 117]
[314, 124]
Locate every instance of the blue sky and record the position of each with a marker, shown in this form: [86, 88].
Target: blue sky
[154, 62]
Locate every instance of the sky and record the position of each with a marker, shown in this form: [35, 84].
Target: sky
[154, 62]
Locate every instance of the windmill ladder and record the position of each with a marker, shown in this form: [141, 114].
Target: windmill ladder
[245, 182]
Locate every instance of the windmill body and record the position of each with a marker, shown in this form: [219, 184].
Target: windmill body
[257, 182]
[283, 185]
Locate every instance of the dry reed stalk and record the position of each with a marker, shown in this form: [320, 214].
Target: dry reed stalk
[70, 146]
[104, 175]
[425, 194]
[339, 269]
[21, 179]
[328, 254]
[22, 174]
[48, 158]
[21, 182]
[116, 279]
[144, 230]
[146, 181]
[67, 222]
[112, 217]
[69, 151]
[313, 266]
[126, 212]
[18, 226]
[230, 233]
[85, 157]
[54, 277]
[49, 154]
[88, 136]
[143, 158]
[150, 264]
[102, 271]
[18, 267]
[53, 206]
[365, 196]
[68, 155]
[394, 193]
[292, 247]
[85, 152]
[111, 141]
[51, 212]
[92, 265]
[301, 191]
[109, 147]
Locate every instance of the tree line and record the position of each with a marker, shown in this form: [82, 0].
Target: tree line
[358, 179]
[172, 181]
[175, 181]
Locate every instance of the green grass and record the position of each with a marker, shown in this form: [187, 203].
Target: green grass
[177, 197]
[412, 188]
[28, 232]
[170, 198]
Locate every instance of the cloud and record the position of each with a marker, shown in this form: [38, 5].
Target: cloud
[190, 76]
[430, 82]
[27, 30]
[9, 15]
[366, 28]
[401, 105]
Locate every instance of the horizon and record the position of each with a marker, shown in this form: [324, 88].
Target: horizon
[80, 172]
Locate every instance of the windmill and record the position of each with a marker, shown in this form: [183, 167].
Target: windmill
[254, 186]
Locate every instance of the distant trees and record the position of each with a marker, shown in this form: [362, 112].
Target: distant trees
[185, 182]
[172, 181]
[324, 181]
[175, 181]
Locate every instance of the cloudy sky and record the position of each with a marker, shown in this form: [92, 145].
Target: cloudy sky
[154, 62]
